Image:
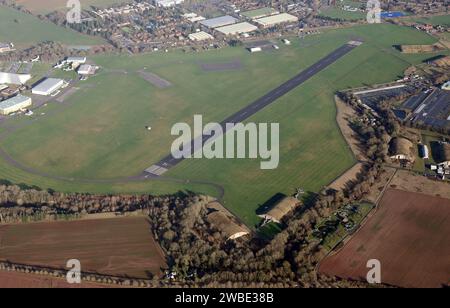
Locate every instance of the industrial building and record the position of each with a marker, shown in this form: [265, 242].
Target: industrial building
[271, 21]
[200, 36]
[48, 86]
[15, 79]
[14, 104]
[219, 22]
[168, 3]
[260, 13]
[239, 28]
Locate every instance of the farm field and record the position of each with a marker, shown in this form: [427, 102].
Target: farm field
[99, 132]
[118, 246]
[47, 6]
[42, 30]
[21, 280]
[409, 236]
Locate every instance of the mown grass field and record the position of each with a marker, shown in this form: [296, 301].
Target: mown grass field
[47, 6]
[443, 20]
[24, 30]
[99, 133]
[338, 12]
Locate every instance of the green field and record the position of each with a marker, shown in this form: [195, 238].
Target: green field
[25, 30]
[339, 13]
[443, 20]
[99, 133]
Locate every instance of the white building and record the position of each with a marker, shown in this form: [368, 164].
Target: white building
[271, 21]
[16, 79]
[15, 104]
[200, 36]
[76, 60]
[219, 22]
[240, 28]
[87, 69]
[168, 3]
[48, 86]
[255, 49]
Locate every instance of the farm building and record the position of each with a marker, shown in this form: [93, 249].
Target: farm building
[48, 86]
[271, 21]
[16, 79]
[401, 149]
[444, 155]
[200, 36]
[260, 13]
[219, 22]
[14, 104]
[87, 69]
[281, 209]
[226, 223]
[243, 27]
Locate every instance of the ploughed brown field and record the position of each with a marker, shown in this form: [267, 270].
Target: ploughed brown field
[118, 246]
[22, 280]
[409, 234]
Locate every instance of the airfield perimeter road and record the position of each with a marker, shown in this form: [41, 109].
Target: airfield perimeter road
[169, 161]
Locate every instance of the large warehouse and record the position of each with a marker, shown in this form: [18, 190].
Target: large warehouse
[16, 79]
[260, 13]
[219, 22]
[274, 20]
[243, 27]
[48, 86]
[14, 104]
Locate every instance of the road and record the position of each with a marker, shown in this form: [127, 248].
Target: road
[169, 161]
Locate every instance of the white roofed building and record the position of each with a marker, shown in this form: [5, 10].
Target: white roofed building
[200, 36]
[167, 3]
[14, 104]
[274, 20]
[48, 86]
[239, 28]
[219, 21]
[15, 79]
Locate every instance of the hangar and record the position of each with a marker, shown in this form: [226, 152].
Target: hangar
[16, 79]
[271, 21]
[14, 104]
[281, 209]
[219, 21]
[243, 27]
[48, 86]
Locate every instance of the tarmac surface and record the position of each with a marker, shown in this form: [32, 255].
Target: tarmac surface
[169, 161]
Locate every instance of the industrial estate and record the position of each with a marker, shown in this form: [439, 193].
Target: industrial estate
[88, 172]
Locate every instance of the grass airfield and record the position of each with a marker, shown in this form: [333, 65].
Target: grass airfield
[99, 132]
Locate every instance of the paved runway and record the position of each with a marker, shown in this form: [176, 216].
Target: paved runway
[169, 161]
